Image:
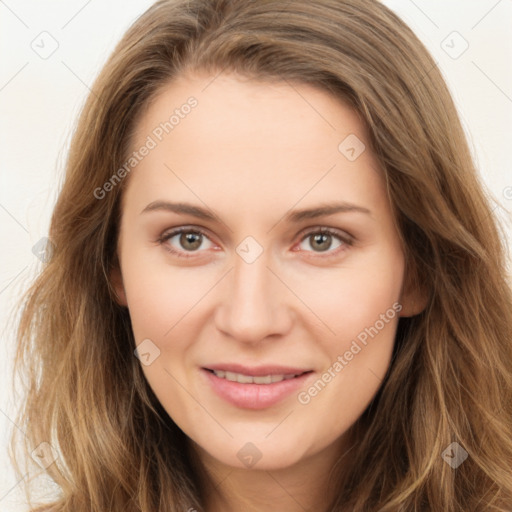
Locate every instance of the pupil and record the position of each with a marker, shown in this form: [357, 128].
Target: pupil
[319, 238]
[190, 240]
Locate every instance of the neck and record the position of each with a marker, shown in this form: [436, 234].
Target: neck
[302, 486]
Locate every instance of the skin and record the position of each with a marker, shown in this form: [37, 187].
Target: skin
[251, 152]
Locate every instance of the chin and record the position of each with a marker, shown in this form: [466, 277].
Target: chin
[265, 455]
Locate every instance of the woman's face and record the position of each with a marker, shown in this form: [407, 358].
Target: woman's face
[263, 338]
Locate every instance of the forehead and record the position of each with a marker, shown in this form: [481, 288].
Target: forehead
[239, 108]
[252, 139]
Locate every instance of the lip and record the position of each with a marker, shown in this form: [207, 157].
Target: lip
[255, 396]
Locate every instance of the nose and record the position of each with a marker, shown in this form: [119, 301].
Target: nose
[254, 304]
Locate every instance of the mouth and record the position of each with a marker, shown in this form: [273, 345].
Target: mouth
[255, 388]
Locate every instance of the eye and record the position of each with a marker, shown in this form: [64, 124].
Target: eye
[321, 241]
[189, 240]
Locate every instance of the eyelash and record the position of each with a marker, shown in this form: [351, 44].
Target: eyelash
[346, 240]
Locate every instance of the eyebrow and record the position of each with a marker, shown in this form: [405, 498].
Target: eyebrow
[294, 216]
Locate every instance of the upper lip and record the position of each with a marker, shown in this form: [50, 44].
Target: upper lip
[257, 371]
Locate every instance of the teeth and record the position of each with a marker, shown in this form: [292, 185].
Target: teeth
[249, 379]
[263, 380]
[231, 376]
[244, 379]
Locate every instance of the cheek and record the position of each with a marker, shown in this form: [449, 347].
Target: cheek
[352, 298]
[162, 302]
[159, 296]
[362, 309]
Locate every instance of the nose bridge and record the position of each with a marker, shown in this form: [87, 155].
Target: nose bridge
[252, 280]
[253, 307]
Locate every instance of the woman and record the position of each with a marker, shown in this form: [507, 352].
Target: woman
[276, 281]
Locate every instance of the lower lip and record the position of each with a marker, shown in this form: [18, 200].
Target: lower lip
[255, 396]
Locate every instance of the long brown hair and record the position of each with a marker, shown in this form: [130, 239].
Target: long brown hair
[450, 380]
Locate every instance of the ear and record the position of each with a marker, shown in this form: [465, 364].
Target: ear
[116, 279]
[414, 296]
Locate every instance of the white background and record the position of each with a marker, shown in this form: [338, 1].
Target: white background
[40, 99]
